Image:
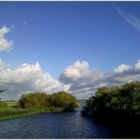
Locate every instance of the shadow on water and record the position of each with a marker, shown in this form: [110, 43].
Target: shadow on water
[55, 125]
[121, 126]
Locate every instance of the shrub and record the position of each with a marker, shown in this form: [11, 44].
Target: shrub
[124, 99]
[43, 100]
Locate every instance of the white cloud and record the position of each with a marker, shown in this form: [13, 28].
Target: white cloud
[122, 68]
[129, 18]
[137, 65]
[5, 44]
[81, 79]
[83, 83]
[3, 66]
[87, 81]
[77, 70]
[27, 78]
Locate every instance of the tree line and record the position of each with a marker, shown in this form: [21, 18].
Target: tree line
[44, 101]
[123, 99]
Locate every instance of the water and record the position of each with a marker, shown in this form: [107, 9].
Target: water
[54, 125]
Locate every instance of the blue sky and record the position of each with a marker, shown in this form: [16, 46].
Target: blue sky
[57, 34]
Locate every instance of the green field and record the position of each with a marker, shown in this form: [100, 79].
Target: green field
[8, 105]
[10, 110]
[11, 103]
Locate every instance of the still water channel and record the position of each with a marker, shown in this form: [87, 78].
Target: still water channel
[54, 125]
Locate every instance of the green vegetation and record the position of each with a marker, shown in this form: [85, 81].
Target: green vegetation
[116, 107]
[12, 103]
[10, 110]
[16, 113]
[114, 101]
[34, 103]
[115, 104]
[45, 102]
[4, 105]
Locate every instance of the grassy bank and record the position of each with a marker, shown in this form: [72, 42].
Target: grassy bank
[17, 113]
[34, 103]
[11, 110]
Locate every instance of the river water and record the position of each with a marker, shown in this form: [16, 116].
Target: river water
[54, 125]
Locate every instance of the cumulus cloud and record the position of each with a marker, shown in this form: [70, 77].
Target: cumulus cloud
[80, 78]
[26, 78]
[129, 18]
[87, 81]
[122, 68]
[4, 66]
[77, 71]
[5, 44]
[137, 65]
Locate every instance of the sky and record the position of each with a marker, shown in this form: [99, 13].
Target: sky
[71, 46]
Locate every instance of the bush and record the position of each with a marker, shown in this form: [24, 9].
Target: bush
[115, 100]
[44, 101]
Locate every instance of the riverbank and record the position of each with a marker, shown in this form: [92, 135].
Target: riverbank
[118, 107]
[18, 112]
[11, 110]
[62, 125]
[35, 103]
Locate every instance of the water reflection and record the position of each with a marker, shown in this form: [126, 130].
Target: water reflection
[54, 125]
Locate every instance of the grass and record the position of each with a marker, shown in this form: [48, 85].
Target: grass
[8, 105]
[10, 110]
[11, 103]
[11, 114]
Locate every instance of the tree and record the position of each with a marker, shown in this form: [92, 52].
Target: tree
[43, 100]
[125, 98]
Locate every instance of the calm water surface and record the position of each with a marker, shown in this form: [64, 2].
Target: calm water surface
[54, 125]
